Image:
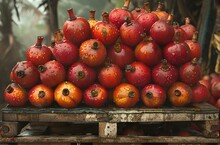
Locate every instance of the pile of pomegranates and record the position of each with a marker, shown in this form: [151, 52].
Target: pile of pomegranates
[127, 58]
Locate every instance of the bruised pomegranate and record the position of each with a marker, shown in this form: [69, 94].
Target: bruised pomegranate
[177, 53]
[138, 74]
[15, 95]
[95, 96]
[39, 54]
[121, 55]
[180, 94]
[188, 28]
[67, 95]
[190, 72]
[92, 19]
[64, 51]
[162, 32]
[117, 15]
[25, 73]
[76, 29]
[200, 93]
[104, 31]
[215, 90]
[131, 32]
[148, 52]
[110, 76]
[182, 33]
[153, 96]
[52, 73]
[41, 96]
[195, 48]
[125, 95]
[164, 74]
[162, 15]
[81, 75]
[146, 20]
[92, 52]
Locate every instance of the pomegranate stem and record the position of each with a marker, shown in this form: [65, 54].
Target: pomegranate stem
[41, 94]
[71, 14]
[165, 67]
[41, 68]
[138, 10]
[92, 14]
[105, 16]
[117, 47]
[177, 37]
[149, 95]
[126, 4]
[95, 45]
[194, 61]
[94, 93]
[39, 41]
[131, 94]
[147, 7]
[170, 19]
[160, 6]
[59, 37]
[20, 74]
[187, 20]
[65, 92]
[81, 74]
[177, 93]
[129, 68]
[9, 89]
[195, 36]
[127, 20]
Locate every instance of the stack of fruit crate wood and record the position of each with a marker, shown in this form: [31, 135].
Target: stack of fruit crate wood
[101, 126]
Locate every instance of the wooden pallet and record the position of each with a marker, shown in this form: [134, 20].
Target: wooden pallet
[108, 120]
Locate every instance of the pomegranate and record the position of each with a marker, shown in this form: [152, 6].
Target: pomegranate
[190, 73]
[153, 96]
[117, 15]
[182, 33]
[138, 74]
[206, 83]
[162, 15]
[200, 93]
[212, 100]
[177, 53]
[39, 54]
[136, 12]
[214, 78]
[67, 95]
[95, 96]
[92, 52]
[41, 96]
[215, 90]
[121, 55]
[110, 76]
[25, 73]
[188, 28]
[64, 51]
[148, 52]
[217, 105]
[125, 95]
[206, 77]
[81, 75]
[146, 20]
[194, 46]
[164, 74]
[52, 73]
[92, 19]
[162, 32]
[76, 29]
[180, 94]
[104, 31]
[15, 95]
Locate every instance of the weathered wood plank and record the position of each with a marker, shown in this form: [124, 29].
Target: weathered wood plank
[107, 130]
[210, 128]
[9, 129]
[96, 139]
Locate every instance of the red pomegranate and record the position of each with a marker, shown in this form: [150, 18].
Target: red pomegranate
[148, 52]
[95, 96]
[182, 33]
[64, 51]
[194, 46]
[164, 74]
[200, 93]
[188, 28]
[190, 73]
[39, 54]
[215, 90]
[138, 74]
[15, 95]
[136, 12]
[104, 31]
[25, 73]
[92, 52]
[177, 53]
[162, 32]
[162, 15]
[76, 29]
[52, 73]
[146, 20]
[214, 78]
[206, 83]
[121, 55]
[212, 100]
[153, 96]
[81, 75]
[110, 76]
[131, 32]
[41, 96]
[117, 15]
